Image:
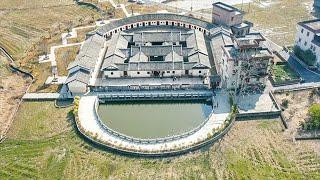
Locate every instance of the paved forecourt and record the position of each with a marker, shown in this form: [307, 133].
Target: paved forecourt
[90, 125]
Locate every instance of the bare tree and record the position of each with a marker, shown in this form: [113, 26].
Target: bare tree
[81, 21]
[69, 26]
[43, 47]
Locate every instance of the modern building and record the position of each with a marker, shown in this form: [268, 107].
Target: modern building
[231, 17]
[308, 37]
[165, 52]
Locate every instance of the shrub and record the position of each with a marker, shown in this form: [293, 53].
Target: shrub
[314, 112]
[306, 56]
[285, 103]
[76, 105]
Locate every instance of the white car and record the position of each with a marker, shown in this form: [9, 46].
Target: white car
[140, 2]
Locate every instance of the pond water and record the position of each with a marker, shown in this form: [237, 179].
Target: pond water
[154, 120]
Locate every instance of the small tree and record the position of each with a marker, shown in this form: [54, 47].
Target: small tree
[314, 112]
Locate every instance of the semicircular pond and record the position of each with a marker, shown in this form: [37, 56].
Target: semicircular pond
[148, 120]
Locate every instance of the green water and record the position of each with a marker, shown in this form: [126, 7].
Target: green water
[153, 120]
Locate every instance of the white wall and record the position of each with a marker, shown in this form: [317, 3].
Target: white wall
[304, 38]
[141, 74]
[308, 39]
[199, 72]
[113, 74]
[77, 87]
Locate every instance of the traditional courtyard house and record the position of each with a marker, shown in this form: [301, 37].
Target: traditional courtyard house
[308, 37]
[169, 51]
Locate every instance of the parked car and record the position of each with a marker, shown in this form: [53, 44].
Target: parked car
[140, 2]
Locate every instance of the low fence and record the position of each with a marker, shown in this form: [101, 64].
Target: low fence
[154, 96]
[147, 141]
[149, 88]
[283, 120]
[308, 135]
[285, 83]
[288, 82]
[216, 137]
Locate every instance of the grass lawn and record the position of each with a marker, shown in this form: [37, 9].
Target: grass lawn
[43, 144]
[283, 72]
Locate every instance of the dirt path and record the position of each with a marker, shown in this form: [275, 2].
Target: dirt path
[12, 87]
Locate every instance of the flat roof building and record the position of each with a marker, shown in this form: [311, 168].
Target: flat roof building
[308, 37]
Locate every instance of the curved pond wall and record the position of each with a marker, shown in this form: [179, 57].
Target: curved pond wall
[148, 141]
[161, 153]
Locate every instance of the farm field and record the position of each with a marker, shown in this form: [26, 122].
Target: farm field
[22, 28]
[42, 143]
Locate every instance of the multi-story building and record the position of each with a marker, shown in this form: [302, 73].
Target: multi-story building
[230, 17]
[245, 62]
[308, 37]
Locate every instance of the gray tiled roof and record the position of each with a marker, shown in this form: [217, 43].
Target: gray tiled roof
[89, 53]
[153, 17]
[80, 75]
[154, 66]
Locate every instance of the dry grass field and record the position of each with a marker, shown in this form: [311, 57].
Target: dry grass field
[12, 87]
[81, 35]
[64, 56]
[20, 29]
[276, 19]
[43, 144]
[26, 26]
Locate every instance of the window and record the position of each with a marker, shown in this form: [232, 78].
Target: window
[308, 33]
[173, 72]
[138, 72]
[199, 72]
[148, 72]
[168, 72]
[111, 73]
[305, 43]
[302, 31]
[299, 39]
[232, 18]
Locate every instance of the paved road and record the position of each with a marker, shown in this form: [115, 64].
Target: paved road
[308, 75]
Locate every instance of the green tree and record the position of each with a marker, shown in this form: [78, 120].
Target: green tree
[306, 56]
[314, 112]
